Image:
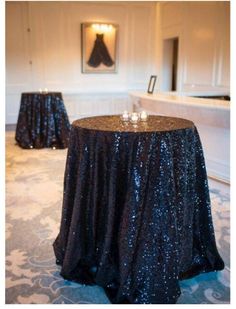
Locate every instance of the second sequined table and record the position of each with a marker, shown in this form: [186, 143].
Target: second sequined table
[42, 121]
[136, 214]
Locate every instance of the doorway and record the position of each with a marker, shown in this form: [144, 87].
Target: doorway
[170, 64]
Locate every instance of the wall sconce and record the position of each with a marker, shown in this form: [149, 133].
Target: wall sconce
[102, 27]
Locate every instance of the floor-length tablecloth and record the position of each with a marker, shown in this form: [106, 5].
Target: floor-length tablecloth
[136, 214]
[42, 121]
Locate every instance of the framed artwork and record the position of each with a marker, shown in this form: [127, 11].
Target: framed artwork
[152, 83]
[99, 47]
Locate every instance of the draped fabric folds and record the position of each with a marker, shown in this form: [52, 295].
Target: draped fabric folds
[42, 121]
[136, 214]
[100, 53]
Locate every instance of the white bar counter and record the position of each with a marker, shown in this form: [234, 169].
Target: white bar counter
[211, 117]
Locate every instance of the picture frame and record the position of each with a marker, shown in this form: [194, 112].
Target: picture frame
[151, 84]
[99, 47]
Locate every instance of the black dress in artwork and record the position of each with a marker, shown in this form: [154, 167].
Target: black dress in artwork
[100, 53]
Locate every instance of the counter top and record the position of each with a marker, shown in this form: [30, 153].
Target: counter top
[184, 100]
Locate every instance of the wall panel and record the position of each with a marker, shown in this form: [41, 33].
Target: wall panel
[204, 44]
[17, 47]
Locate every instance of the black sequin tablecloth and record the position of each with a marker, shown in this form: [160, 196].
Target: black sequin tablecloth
[136, 214]
[42, 121]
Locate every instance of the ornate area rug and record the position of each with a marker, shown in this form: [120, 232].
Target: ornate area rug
[34, 190]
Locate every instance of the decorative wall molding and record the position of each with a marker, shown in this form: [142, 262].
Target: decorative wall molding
[79, 105]
[88, 105]
[203, 31]
[18, 55]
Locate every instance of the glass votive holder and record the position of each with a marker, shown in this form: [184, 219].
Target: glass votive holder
[134, 118]
[143, 116]
[45, 90]
[40, 90]
[125, 116]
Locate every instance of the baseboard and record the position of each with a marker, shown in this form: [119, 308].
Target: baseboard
[216, 178]
[218, 170]
[10, 127]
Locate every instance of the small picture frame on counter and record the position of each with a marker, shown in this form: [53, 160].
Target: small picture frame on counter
[151, 84]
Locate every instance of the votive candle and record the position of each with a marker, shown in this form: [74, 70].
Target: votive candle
[125, 116]
[134, 117]
[143, 116]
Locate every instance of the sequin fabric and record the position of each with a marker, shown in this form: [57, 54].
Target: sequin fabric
[136, 214]
[42, 121]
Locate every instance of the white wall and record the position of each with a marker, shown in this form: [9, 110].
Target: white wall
[204, 43]
[49, 54]
[167, 65]
[43, 49]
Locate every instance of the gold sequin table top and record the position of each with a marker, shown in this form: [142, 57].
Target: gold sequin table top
[114, 123]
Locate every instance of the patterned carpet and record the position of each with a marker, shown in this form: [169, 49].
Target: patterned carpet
[34, 188]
